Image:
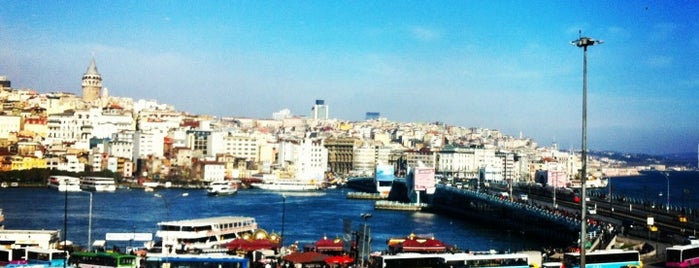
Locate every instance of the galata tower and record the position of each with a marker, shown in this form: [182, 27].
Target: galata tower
[92, 83]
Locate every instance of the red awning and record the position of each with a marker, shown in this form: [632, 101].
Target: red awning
[326, 244]
[339, 260]
[305, 257]
[249, 245]
[431, 245]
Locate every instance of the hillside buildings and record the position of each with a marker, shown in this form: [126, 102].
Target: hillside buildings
[145, 139]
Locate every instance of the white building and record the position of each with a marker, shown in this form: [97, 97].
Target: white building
[320, 111]
[364, 160]
[113, 121]
[147, 144]
[9, 124]
[214, 172]
[62, 127]
[159, 120]
[68, 162]
[242, 145]
[307, 156]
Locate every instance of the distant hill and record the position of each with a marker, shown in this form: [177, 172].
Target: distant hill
[688, 160]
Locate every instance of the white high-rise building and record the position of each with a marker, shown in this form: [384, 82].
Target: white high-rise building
[320, 111]
[307, 156]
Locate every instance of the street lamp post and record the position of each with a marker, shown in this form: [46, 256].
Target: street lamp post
[364, 216]
[281, 240]
[667, 196]
[65, 227]
[89, 225]
[584, 42]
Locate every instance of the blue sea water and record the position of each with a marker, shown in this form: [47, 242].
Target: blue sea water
[653, 187]
[307, 218]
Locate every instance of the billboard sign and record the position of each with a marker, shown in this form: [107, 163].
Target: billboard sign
[424, 178]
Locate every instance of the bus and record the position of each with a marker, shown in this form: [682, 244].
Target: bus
[84, 259]
[195, 261]
[456, 260]
[45, 257]
[10, 256]
[682, 256]
[609, 258]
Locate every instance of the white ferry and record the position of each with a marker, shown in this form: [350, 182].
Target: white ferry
[98, 184]
[273, 183]
[206, 233]
[64, 183]
[287, 185]
[219, 188]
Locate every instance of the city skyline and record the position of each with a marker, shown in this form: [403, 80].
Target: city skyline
[499, 65]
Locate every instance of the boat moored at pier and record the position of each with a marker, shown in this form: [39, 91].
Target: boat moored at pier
[204, 233]
[98, 184]
[274, 183]
[64, 183]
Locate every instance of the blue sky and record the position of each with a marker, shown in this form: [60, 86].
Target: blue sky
[504, 65]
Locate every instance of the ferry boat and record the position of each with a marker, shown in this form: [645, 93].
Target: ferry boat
[64, 183]
[274, 183]
[98, 184]
[205, 233]
[219, 188]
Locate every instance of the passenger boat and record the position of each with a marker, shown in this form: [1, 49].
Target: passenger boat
[287, 185]
[205, 233]
[64, 183]
[220, 188]
[274, 183]
[98, 184]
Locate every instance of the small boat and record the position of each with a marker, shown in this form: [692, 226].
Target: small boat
[219, 188]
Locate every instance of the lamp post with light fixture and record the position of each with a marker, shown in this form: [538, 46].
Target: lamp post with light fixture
[584, 42]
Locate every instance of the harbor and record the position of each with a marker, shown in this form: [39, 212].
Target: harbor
[490, 222]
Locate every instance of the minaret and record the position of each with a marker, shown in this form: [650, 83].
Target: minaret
[92, 83]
